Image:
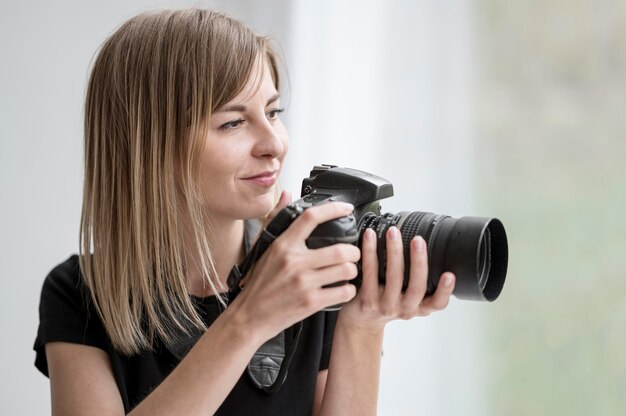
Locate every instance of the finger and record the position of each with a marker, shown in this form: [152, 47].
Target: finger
[333, 254]
[439, 300]
[337, 273]
[418, 275]
[394, 272]
[337, 295]
[304, 225]
[283, 201]
[370, 286]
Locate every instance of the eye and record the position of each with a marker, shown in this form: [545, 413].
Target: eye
[273, 114]
[233, 124]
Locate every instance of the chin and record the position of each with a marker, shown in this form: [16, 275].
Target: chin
[261, 206]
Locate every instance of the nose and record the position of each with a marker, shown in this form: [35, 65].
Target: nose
[268, 141]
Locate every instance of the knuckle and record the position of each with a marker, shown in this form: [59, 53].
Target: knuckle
[285, 254]
[351, 253]
[309, 301]
[424, 311]
[309, 215]
[356, 253]
[434, 305]
[334, 254]
[280, 245]
[354, 270]
[300, 281]
[348, 292]
[442, 303]
[406, 315]
[341, 252]
[386, 310]
[369, 307]
[348, 252]
[284, 262]
[348, 270]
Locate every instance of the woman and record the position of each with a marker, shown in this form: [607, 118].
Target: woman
[183, 147]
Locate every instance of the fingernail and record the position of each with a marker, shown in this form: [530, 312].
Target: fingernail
[447, 280]
[368, 234]
[394, 233]
[419, 241]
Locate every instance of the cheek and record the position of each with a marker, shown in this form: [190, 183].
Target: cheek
[284, 137]
[218, 168]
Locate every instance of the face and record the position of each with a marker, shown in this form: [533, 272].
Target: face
[244, 151]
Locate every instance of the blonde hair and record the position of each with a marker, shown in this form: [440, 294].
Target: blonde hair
[152, 88]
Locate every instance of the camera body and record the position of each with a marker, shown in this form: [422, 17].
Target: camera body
[328, 183]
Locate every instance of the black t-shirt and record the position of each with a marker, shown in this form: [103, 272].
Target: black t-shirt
[66, 313]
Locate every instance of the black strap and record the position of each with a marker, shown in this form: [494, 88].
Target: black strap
[270, 364]
[279, 224]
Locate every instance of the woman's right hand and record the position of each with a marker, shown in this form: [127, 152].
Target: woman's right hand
[286, 284]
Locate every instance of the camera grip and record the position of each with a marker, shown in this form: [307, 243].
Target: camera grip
[339, 230]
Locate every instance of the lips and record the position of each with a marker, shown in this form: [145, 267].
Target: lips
[264, 179]
[266, 174]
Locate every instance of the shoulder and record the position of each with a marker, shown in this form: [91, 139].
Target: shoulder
[63, 290]
[66, 312]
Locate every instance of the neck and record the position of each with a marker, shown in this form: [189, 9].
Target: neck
[225, 239]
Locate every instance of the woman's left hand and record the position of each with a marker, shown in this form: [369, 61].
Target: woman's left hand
[375, 305]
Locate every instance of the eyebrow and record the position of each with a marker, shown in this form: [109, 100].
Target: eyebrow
[242, 108]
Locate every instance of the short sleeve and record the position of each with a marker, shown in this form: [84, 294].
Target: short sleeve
[66, 312]
[330, 320]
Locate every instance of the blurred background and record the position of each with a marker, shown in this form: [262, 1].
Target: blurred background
[471, 107]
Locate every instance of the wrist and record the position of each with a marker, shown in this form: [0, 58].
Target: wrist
[361, 329]
[242, 330]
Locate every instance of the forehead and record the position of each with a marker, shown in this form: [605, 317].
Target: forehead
[259, 85]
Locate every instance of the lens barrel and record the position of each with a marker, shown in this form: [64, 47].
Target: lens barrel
[475, 249]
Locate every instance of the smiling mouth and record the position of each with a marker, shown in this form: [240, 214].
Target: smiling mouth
[265, 179]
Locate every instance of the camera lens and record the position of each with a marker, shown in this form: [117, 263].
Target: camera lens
[475, 249]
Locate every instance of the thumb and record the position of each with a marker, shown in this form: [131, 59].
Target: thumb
[283, 201]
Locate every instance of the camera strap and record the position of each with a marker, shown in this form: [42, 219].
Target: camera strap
[269, 365]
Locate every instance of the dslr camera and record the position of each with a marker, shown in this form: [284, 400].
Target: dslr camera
[475, 249]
